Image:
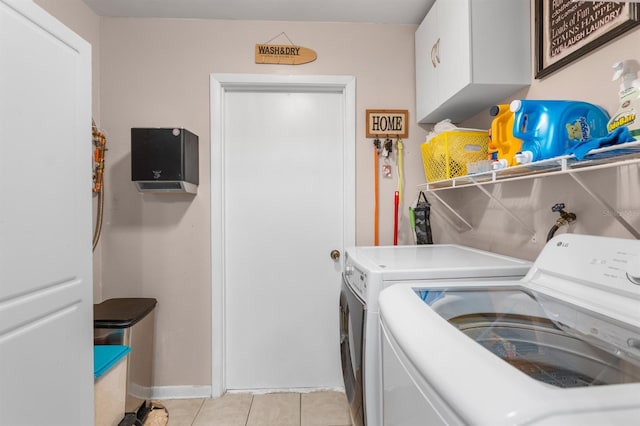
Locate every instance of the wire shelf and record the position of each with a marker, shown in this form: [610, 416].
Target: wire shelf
[611, 156]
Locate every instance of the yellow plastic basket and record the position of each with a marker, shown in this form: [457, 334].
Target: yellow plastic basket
[446, 155]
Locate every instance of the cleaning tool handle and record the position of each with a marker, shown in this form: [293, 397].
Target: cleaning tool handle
[396, 199]
[376, 196]
[412, 219]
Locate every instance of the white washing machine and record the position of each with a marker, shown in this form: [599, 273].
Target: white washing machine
[559, 347]
[370, 269]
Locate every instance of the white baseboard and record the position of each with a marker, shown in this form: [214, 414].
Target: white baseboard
[278, 390]
[191, 392]
[180, 392]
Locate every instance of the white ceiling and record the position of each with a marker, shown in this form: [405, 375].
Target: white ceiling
[372, 11]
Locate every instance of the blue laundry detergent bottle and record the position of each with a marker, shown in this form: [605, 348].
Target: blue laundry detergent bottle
[548, 128]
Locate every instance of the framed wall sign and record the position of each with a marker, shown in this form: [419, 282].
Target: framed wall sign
[387, 123]
[566, 30]
[283, 54]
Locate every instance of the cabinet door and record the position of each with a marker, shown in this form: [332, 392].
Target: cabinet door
[427, 98]
[454, 29]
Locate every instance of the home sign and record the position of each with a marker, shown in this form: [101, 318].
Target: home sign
[385, 123]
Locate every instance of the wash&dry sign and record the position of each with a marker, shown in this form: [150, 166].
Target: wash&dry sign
[283, 54]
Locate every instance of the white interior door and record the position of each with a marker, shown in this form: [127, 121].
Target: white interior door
[46, 326]
[287, 202]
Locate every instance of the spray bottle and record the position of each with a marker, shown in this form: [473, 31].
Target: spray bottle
[626, 115]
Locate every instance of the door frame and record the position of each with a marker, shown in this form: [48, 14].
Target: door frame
[220, 84]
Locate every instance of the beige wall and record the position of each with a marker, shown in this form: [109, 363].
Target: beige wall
[587, 79]
[155, 72]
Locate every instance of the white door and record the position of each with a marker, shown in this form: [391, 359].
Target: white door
[46, 326]
[285, 201]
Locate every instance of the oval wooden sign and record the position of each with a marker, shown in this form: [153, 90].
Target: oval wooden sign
[284, 54]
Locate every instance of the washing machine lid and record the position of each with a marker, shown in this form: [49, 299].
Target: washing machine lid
[434, 261]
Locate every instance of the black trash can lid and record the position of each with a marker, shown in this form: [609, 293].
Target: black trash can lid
[121, 312]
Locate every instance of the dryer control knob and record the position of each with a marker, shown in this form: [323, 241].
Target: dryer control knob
[348, 270]
[633, 273]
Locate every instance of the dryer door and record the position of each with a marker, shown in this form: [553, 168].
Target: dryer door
[352, 314]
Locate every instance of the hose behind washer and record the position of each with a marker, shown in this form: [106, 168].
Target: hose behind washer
[552, 232]
[100, 143]
[98, 229]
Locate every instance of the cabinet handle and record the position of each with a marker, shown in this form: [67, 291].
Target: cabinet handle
[435, 53]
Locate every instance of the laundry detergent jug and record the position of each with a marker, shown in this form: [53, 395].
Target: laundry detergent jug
[548, 128]
[503, 146]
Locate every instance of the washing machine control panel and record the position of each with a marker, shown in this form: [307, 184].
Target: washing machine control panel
[357, 279]
[348, 270]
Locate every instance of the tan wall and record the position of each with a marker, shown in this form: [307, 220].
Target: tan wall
[587, 79]
[155, 72]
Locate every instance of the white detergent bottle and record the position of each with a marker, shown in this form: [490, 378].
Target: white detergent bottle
[626, 115]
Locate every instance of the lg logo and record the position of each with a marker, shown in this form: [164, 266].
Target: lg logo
[561, 244]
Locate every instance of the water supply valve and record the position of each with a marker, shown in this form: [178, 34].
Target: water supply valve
[565, 218]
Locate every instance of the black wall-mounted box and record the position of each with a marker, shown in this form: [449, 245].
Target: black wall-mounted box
[164, 160]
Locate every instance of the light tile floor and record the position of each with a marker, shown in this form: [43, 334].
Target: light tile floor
[274, 409]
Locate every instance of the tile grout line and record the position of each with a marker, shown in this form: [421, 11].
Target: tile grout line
[246, 422]
[197, 412]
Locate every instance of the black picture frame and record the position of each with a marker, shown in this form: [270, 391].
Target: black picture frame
[572, 25]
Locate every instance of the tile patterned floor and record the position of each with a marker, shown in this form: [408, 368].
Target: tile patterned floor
[275, 409]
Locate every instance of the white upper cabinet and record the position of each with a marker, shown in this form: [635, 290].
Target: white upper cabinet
[471, 55]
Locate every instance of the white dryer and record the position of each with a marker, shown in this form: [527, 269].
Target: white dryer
[559, 347]
[370, 269]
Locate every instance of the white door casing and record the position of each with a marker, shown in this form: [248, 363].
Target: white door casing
[46, 320]
[269, 243]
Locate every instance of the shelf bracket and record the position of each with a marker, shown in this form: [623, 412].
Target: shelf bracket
[606, 206]
[506, 210]
[452, 210]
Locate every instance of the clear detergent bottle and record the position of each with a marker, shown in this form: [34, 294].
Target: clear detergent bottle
[549, 127]
[503, 146]
[629, 97]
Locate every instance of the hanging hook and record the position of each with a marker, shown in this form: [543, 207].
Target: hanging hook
[377, 145]
[388, 147]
